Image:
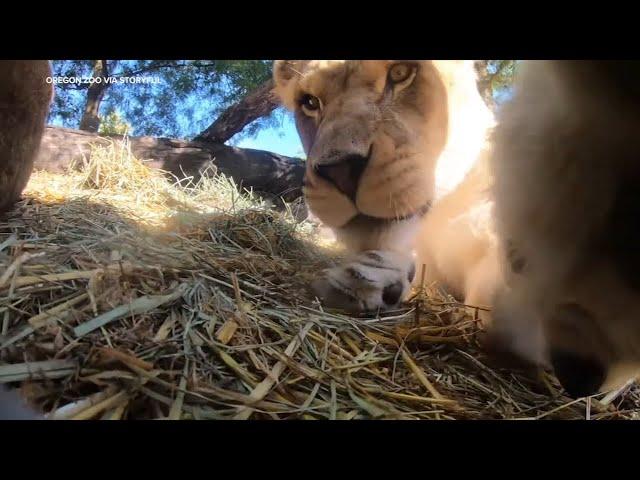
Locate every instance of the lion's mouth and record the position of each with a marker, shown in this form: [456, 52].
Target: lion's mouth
[345, 176]
[419, 213]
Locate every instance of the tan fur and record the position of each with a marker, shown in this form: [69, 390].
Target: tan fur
[24, 105]
[458, 244]
[567, 173]
[425, 140]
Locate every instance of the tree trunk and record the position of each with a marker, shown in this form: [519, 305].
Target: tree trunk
[259, 103]
[90, 121]
[263, 172]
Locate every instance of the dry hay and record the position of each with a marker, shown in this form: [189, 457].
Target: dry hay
[123, 296]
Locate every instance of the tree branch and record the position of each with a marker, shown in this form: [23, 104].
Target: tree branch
[90, 120]
[259, 103]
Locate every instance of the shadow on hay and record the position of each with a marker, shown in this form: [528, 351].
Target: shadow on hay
[226, 260]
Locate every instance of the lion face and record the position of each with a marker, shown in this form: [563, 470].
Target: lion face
[372, 131]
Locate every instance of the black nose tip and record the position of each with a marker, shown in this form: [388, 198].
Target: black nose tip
[411, 274]
[391, 294]
[344, 174]
[580, 376]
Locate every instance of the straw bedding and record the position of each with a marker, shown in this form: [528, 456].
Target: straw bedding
[125, 296]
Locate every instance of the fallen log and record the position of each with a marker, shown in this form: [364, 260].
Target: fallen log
[263, 172]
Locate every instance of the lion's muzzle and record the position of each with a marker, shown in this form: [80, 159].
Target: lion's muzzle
[344, 174]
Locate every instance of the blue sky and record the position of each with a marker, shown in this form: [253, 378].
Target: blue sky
[282, 140]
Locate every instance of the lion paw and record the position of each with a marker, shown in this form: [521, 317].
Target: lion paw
[371, 281]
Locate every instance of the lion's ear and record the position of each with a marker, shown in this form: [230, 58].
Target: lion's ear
[285, 75]
[284, 71]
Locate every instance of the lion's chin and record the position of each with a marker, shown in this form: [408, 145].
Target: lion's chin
[340, 212]
[393, 207]
[389, 192]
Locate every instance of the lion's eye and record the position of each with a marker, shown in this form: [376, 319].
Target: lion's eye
[401, 72]
[310, 103]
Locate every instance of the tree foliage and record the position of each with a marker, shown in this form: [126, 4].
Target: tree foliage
[188, 95]
[495, 78]
[114, 124]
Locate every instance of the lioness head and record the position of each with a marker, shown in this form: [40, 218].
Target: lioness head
[373, 132]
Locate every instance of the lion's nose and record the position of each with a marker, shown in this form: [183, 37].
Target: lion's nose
[345, 173]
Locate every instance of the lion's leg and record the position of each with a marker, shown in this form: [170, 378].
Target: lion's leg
[24, 104]
[483, 280]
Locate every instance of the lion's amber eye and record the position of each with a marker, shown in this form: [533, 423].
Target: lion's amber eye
[400, 72]
[309, 102]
